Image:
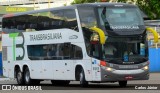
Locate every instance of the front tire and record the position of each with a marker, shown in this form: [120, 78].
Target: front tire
[83, 82]
[123, 83]
[19, 77]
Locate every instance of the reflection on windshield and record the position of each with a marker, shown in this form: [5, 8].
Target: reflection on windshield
[120, 18]
[118, 50]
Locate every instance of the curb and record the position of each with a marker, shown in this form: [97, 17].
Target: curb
[4, 79]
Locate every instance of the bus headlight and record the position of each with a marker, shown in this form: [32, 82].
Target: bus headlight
[109, 69]
[145, 68]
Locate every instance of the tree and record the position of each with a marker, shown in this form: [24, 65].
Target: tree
[150, 7]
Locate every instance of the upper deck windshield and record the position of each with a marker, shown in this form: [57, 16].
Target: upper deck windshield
[120, 18]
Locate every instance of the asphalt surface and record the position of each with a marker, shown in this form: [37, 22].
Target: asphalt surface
[132, 87]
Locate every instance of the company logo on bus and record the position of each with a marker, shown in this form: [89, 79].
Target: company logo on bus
[73, 37]
[124, 27]
[128, 62]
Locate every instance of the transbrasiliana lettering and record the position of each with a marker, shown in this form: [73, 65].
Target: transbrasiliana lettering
[49, 36]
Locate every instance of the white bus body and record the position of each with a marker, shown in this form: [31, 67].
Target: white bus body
[20, 60]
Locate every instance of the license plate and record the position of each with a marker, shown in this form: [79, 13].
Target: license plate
[127, 66]
[128, 77]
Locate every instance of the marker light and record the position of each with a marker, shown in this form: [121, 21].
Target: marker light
[103, 63]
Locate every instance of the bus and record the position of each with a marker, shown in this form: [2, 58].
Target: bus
[92, 42]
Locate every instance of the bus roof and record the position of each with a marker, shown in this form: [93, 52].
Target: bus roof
[105, 4]
[75, 6]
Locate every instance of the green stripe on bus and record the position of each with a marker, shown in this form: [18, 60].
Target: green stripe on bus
[13, 35]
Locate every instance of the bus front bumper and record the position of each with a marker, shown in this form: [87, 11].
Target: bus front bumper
[122, 75]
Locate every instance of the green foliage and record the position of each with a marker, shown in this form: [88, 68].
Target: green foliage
[150, 7]
[84, 1]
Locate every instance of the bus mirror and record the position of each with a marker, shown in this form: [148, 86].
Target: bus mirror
[155, 34]
[94, 38]
[100, 35]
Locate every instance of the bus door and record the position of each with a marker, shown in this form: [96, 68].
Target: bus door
[96, 75]
[96, 41]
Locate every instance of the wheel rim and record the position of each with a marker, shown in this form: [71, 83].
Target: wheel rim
[81, 77]
[27, 77]
[19, 76]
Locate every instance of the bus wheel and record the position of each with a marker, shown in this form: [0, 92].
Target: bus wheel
[19, 77]
[123, 83]
[27, 78]
[83, 82]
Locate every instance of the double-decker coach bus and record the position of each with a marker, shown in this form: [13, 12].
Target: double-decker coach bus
[94, 42]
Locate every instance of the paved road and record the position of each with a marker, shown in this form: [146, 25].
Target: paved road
[74, 87]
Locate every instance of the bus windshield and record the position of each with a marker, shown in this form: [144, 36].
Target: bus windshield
[124, 52]
[120, 18]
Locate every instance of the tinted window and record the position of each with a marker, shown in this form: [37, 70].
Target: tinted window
[64, 19]
[54, 52]
[20, 23]
[56, 19]
[87, 17]
[76, 52]
[120, 18]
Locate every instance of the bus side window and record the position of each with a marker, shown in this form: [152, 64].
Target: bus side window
[35, 52]
[54, 52]
[33, 26]
[87, 17]
[70, 20]
[20, 28]
[66, 50]
[95, 50]
[87, 34]
[51, 51]
[76, 52]
[65, 18]
[72, 52]
[59, 52]
[57, 19]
